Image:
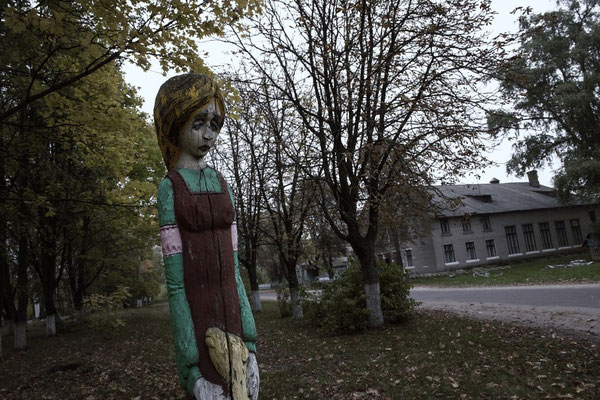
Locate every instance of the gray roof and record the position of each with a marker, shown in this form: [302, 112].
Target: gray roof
[494, 198]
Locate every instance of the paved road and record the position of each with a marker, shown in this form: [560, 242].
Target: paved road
[579, 296]
[268, 295]
[573, 310]
[569, 309]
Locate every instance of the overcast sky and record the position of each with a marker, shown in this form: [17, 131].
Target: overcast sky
[149, 82]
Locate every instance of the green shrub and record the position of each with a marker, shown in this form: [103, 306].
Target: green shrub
[343, 304]
[103, 309]
[396, 304]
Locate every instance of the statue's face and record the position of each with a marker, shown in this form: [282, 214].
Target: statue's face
[200, 133]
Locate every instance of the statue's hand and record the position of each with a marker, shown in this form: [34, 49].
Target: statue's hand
[205, 390]
[253, 377]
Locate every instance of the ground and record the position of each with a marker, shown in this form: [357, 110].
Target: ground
[572, 309]
[582, 322]
[436, 354]
[577, 324]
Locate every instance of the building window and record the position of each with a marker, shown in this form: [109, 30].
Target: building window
[491, 248]
[592, 215]
[512, 240]
[576, 230]
[471, 254]
[546, 237]
[449, 254]
[529, 237]
[561, 233]
[485, 222]
[445, 224]
[409, 258]
[466, 223]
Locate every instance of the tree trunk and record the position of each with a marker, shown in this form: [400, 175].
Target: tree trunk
[78, 266]
[256, 304]
[365, 251]
[7, 304]
[295, 300]
[51, 324]
[251, 267]
[6, 300]
[1, 335]
[49, 285]
[50, 311]
[78, 300]
[20, 335]
[75, 270]
[47, 270]
[22, 291]
[330, 270]
[297, 312]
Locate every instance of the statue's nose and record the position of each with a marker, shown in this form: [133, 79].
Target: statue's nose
[208, 134]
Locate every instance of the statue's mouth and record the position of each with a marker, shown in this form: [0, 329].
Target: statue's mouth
[204, 148]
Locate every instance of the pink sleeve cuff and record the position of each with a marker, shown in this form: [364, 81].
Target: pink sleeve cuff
[234, 236]
[170, 239]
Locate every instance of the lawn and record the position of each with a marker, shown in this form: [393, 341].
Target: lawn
[526, 273]
[435, 355]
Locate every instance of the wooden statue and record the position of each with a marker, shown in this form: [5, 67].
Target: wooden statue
[213, 326]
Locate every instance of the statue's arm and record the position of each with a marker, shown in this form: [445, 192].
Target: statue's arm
[186, 351]
[248, 325]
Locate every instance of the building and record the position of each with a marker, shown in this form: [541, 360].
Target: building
[495, 222]
[308, 274]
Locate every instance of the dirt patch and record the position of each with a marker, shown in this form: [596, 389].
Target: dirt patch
[570, 321]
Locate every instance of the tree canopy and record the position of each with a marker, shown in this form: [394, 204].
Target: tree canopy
[50, 45]
[552, 83]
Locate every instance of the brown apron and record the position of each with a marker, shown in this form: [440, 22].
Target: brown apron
[204, 220]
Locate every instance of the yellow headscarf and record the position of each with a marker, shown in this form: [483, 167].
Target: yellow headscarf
[176, 102]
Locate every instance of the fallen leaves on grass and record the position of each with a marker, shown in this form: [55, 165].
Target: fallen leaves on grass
[434, 355]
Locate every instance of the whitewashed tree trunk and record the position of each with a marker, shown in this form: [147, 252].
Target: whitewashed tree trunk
[256, 305]
[51, 325]
[296, 304]
[20, 335]
[374, 304]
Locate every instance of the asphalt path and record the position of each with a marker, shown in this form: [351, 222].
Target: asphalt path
[578, 296]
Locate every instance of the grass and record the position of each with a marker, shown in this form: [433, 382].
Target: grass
[527, 273]
[435, 355]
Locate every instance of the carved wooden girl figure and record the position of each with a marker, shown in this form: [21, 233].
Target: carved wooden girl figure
[213, 326]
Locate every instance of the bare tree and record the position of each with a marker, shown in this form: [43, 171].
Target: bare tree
[388, 88]
[243, 130]
[278, 148]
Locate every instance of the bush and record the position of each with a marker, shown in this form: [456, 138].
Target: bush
[396, 304]
[104, 309]
[343, 304]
